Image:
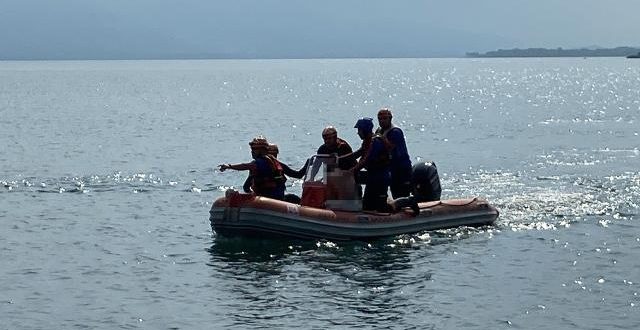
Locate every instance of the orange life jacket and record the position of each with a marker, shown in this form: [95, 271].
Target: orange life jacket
[265, 182]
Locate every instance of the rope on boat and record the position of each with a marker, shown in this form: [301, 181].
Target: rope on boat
[471, 201]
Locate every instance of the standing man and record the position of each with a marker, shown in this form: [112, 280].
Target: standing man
[400, 165]
[375, 159]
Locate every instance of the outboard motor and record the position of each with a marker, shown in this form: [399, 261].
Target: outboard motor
[425, 182]
[425, 187]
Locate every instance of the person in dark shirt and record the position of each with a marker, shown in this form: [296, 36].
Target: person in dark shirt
[400, 161]
[375, 159]
[335, 145]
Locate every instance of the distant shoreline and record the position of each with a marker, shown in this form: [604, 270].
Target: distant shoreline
[517, 53]
[558, 52]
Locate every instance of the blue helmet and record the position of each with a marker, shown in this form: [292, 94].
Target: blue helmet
[365, 124]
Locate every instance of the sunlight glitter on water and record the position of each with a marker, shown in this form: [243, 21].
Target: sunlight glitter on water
[103, 183]
[549, 142]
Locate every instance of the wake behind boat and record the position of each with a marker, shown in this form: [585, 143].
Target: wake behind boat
[330, 209]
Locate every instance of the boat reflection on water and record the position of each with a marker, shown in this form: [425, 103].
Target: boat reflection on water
[267, 280]
[232, 249]
[247, 259]
[386, 253]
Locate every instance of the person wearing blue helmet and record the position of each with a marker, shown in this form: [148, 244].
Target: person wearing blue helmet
[375, 159]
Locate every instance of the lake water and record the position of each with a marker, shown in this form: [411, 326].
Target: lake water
[107, 172]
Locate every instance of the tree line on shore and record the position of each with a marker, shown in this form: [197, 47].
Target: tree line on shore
[558, 52]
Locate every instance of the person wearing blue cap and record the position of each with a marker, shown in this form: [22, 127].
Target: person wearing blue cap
[375, 159]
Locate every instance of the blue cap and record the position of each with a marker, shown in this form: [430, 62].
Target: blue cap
[365, 124]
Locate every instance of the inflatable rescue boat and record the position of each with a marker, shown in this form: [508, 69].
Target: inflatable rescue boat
[330, 209]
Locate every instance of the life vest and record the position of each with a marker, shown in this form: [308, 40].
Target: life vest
[276, 169]
[381, 161]
[384, 133]
[267, 176]
[398, 154]
[342, 149]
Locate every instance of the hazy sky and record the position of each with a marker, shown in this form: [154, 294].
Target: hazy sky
[305, 28]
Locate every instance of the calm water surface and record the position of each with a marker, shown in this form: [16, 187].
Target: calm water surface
[107, 174]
